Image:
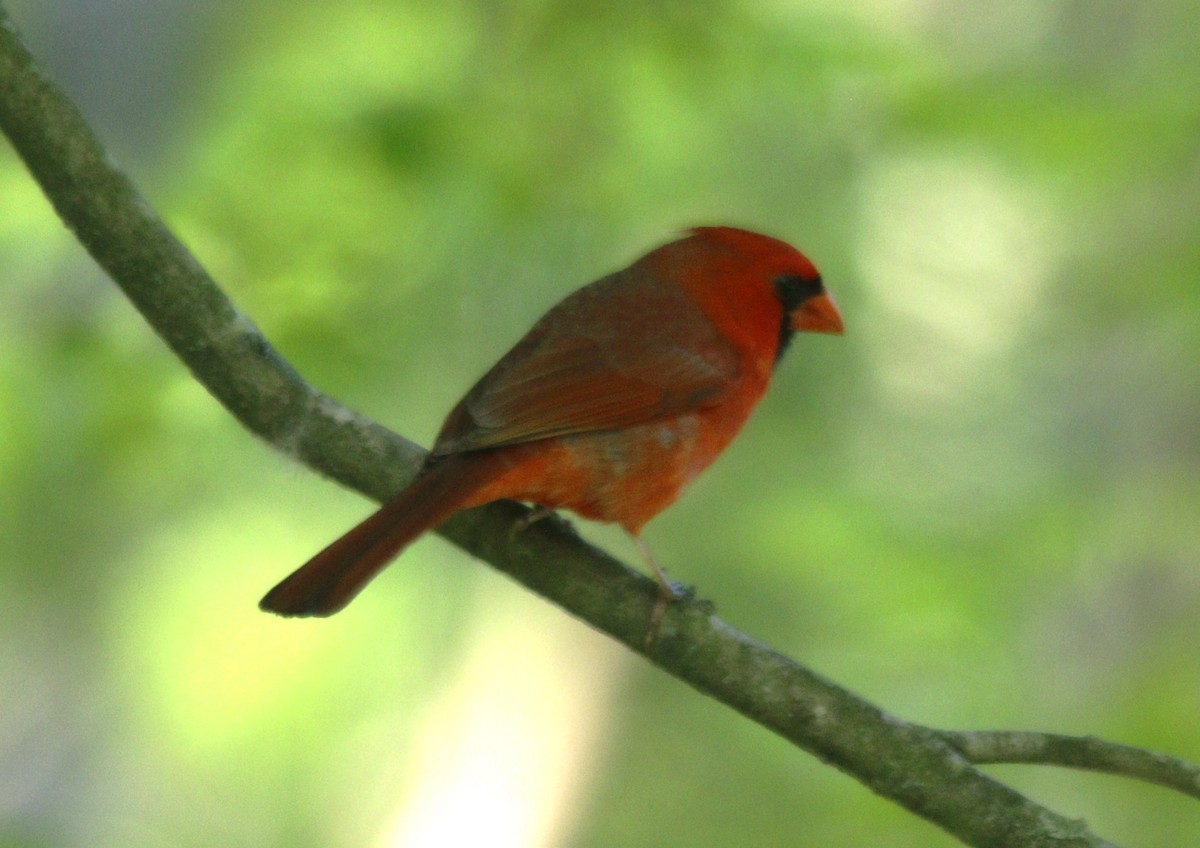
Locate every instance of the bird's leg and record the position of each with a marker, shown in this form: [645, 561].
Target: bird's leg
[668, 592]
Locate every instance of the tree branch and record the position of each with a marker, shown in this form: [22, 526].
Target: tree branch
[1080, 752]
[927, 771]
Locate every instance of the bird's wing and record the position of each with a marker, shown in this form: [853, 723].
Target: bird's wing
[617, 353]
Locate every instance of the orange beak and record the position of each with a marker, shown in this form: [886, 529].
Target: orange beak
[818, 314]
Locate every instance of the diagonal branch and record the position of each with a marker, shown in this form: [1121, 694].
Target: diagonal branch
[927, 771]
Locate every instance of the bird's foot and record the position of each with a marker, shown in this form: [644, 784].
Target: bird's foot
[536, 514]
[675, 590]
[669, 592]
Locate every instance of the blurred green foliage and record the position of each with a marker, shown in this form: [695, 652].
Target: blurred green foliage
[979, 508]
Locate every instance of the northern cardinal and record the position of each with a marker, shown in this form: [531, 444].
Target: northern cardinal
[615, 400]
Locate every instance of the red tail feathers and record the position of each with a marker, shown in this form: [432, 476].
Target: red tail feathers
[332, 578]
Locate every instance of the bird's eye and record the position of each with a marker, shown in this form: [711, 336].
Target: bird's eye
[793, 289]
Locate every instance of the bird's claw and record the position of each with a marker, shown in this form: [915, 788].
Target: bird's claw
[536, 514]
[669, 592]
[674, 591]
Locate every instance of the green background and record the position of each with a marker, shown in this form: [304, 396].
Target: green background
[980, 508]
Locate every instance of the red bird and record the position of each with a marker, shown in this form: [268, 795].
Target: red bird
[615, 400]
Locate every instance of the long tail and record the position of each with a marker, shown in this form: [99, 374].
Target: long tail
[332, 578]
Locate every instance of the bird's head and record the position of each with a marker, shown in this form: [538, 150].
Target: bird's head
[761, 279]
